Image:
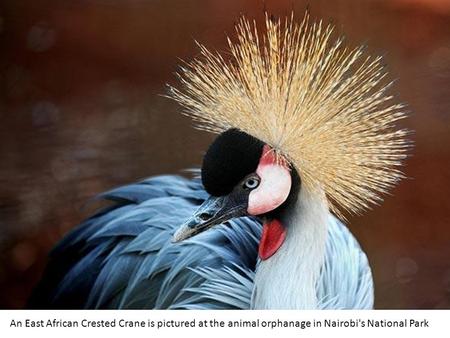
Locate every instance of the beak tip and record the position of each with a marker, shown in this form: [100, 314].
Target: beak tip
[179, 235]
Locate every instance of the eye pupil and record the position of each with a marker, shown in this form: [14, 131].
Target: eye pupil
[251, 183]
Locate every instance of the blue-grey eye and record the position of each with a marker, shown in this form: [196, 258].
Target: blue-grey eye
[251, 183]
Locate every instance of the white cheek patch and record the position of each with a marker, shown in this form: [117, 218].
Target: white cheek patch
[273, 189]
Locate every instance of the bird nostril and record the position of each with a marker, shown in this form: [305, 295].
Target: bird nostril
[204, 216]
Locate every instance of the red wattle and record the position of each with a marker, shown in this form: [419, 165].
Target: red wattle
[272, 238]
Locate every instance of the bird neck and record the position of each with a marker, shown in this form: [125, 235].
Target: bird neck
[288, 278]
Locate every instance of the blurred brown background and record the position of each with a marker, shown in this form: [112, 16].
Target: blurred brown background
[80, 113]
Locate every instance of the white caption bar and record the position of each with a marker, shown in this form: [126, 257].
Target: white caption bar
[148, 323]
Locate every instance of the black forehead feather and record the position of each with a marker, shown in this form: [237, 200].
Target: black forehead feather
[232, 156]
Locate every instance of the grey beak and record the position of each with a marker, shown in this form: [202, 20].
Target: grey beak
[215, 210]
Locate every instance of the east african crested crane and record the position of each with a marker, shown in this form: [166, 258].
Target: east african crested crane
[306, 132]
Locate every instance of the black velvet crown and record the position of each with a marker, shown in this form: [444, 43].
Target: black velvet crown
[232, 156]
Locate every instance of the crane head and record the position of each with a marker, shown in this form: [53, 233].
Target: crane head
[244, 177]
[297, 87]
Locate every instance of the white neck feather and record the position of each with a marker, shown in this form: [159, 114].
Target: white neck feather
[287, 280]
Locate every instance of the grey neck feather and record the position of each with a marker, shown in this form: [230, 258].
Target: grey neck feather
[288, 279]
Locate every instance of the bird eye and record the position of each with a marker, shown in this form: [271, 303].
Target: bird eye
[251, 183]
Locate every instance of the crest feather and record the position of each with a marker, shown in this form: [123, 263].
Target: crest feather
[322, 105]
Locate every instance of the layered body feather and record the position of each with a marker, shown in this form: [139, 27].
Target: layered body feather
[123, 257]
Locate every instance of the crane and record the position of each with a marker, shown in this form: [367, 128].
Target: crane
[306, 133]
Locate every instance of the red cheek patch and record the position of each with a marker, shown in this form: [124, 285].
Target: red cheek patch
[272, 238]
[268, 156]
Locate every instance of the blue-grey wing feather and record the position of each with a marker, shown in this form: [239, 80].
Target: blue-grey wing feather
[122, 257]
[346, 278]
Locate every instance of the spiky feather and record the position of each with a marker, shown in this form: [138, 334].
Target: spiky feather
[323, 106]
